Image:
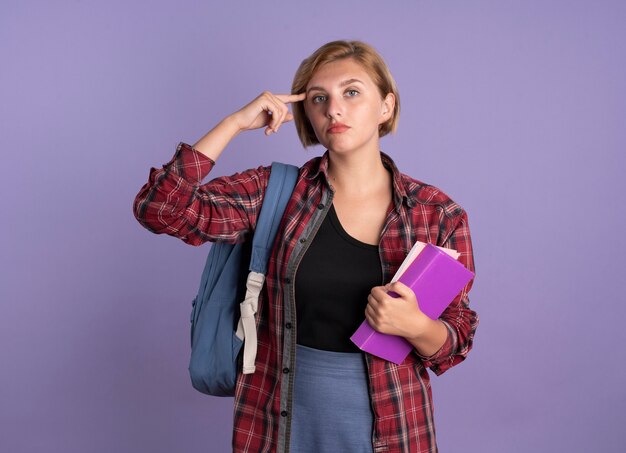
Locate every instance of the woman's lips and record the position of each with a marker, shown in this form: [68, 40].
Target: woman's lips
[337, 128]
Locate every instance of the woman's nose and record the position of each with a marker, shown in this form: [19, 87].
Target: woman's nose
[334, 107]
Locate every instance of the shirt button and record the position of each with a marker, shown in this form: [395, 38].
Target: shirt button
[285, 370]
[288, 325]
[302, 240]
[320, 206]
[283, 413]
[287, 280]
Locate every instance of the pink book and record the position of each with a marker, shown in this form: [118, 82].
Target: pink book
[436, 278]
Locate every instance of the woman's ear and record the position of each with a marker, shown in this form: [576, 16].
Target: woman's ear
[389, 102]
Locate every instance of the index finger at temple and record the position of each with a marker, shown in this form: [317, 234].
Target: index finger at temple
[291, 97]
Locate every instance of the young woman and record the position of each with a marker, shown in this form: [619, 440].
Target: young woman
[351, 220]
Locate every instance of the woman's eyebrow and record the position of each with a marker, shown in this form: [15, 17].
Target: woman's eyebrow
[344, 83]
[349, 82]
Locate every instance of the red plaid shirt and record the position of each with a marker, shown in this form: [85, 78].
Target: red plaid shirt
[175, 202]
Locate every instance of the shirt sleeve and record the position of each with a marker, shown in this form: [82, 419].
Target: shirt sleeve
[174, 201]
[459, 319]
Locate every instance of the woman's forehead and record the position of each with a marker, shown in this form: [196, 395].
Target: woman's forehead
[339, 73]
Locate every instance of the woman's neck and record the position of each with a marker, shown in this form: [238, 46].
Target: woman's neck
[358, 175]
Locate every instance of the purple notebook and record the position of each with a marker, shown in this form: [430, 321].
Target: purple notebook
[436, 279]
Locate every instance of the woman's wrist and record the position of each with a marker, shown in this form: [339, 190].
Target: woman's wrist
[429, 335]
[231, 122]
[420, 327]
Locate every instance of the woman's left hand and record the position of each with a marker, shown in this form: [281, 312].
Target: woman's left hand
[395, 315]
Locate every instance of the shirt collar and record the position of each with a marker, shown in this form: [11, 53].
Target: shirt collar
[318, 168]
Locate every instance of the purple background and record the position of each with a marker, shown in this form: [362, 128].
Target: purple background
[515, 109]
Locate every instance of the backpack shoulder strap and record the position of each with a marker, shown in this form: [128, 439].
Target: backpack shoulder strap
[277, 194]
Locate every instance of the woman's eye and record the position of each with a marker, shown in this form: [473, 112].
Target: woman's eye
[319, 98]
[352, 92]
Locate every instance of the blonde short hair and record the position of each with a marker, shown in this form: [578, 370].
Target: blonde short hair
[360, 52]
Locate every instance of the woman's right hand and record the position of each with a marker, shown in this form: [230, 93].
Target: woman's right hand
[268, 109]
[252, 116]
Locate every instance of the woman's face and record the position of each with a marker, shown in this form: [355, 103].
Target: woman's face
[345, 108]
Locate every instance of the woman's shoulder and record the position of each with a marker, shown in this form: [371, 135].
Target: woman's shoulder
[420, 193]
[425, 194]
